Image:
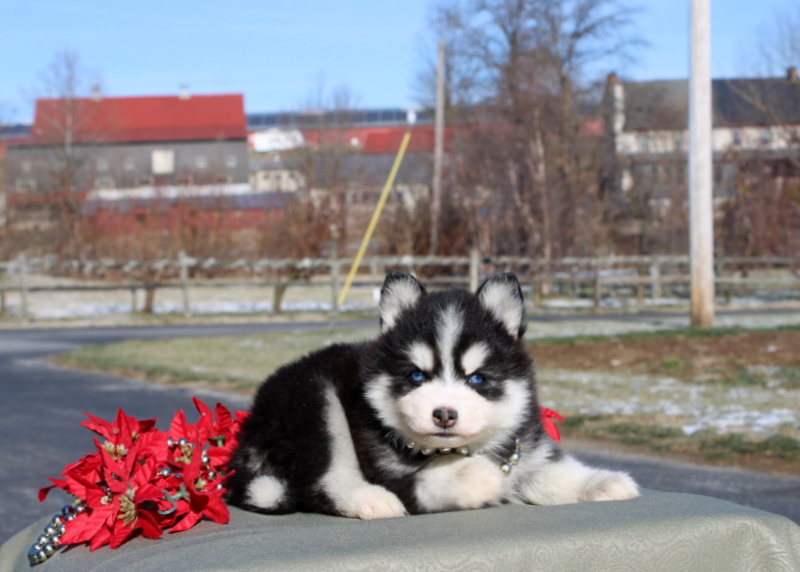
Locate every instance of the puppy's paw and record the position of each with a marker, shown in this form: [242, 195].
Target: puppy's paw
[454, 483]
[479, 482]
[608, 486]
[371, 502]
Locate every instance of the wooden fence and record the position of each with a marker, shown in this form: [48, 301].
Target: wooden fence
[590, 278]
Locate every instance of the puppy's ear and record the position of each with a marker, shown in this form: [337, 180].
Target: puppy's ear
[502, 296]
[400, 291]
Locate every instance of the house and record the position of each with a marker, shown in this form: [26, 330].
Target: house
[126, 143]
[755, 122]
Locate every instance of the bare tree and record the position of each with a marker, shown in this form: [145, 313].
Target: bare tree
[517, 83]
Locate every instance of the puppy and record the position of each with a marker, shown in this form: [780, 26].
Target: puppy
[439, 413]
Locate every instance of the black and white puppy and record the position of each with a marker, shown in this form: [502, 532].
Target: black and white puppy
[439, 413]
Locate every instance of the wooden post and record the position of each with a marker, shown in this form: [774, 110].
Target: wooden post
[597, 294]
[133, 300]
[655, 280]
[334, 281]
[701, 209]
[184, 264]
[474, 270]
[22, 262]
[438, 151]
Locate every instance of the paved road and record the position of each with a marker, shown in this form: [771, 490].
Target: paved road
[40, 412]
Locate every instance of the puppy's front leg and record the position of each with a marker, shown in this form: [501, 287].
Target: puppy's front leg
[454, 483]
[566, 480]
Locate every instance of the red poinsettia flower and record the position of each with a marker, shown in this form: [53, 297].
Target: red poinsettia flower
[547, 417]
[143, 481]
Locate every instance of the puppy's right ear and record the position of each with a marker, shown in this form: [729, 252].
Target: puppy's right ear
[400, 291]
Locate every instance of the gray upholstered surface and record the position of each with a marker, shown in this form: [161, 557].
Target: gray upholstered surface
[659, 531]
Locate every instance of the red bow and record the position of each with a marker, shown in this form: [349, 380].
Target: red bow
[547, 416]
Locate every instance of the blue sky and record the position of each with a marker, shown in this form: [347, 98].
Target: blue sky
[278, 53]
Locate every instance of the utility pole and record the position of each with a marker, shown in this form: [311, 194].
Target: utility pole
[701, 209]
[438, 151]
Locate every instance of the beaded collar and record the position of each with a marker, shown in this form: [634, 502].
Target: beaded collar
[505, 466]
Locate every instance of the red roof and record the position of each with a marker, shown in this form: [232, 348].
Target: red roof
[140, 119]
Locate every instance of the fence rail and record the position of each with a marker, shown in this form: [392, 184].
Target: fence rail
[589, 277]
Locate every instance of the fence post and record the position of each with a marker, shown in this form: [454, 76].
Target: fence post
[596, 294]
[184, 264]
[655, 275]
[133, 300]
[474, 262]
[334, 259]
[22, 261]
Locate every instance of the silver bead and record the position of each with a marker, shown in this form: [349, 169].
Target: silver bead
[220, 486]
[212, 475]
[517, 444]
[42, 556]
[62, 529]
[165, 472]
[206, 459]
[182, 442]
[48, 549]
[49, 530]
[69, 518]
[57, 520]
[426, 451]
[79, 508]
[514, 458]
[170, 442]
[177, 475]
[463, 451]
[411, 444]
[506, 468]
[67, 510]
[33, 558]
[42, 540]
[444, 450]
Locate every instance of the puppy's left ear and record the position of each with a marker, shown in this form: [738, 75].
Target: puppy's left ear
[400, 291]
[502, 296]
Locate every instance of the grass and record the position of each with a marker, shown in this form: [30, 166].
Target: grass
[660, 335]
[237, 362]
[708, 445]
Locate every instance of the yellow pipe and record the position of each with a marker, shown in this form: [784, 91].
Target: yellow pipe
[375, 216]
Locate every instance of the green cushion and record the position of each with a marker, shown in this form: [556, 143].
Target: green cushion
[658, 531]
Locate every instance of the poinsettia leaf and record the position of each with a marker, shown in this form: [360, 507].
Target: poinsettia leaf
[224, 418]
[101, 537]
[99, 426]
[186, 522]
[75, 530]
[120, 533]
[149, 525]
[216, 510]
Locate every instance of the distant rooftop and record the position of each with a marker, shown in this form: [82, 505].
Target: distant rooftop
[14, 131]
[348, 118]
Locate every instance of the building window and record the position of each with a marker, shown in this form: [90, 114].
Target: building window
[201, 162]
[766, 137]
[163, 161]
[737, 138]
[104, 183]
[26, 185]
[102, 164]
[145, 181]
[677, 141]
[129, 164]
[222, 179]
[184, 179]
[643, 143]
[230, 161]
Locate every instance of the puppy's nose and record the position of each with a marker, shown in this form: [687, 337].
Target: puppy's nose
[445, 417]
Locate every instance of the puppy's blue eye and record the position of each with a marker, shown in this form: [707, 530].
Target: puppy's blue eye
[476, 379]
[418, 376]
